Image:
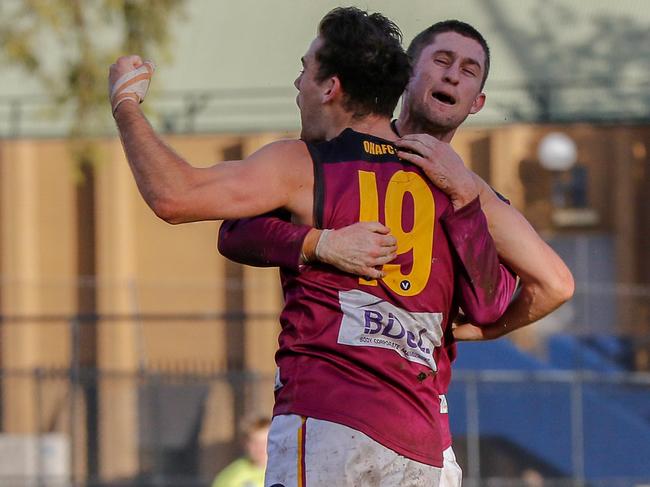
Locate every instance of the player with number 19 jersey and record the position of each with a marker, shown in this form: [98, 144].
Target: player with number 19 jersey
[368, 354]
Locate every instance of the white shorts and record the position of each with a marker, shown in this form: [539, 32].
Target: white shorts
[452, 475]
[308, 452]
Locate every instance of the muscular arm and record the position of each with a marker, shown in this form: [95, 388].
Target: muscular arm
[268, 240]
[278, 175]
[485, 286]
[178, 192]
[545, 280]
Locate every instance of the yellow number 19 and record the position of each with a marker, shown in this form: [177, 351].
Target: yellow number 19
[419, 239]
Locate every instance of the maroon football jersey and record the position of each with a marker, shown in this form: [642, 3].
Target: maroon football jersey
[370, 354]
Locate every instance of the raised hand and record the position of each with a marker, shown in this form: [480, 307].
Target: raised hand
[128, 79]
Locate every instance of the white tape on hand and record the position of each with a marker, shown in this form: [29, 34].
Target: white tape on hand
[132, 85]
[320, 245]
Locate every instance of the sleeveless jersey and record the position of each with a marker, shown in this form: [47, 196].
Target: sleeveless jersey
[373, 355]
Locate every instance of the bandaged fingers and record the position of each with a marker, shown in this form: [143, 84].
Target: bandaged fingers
[128, 80]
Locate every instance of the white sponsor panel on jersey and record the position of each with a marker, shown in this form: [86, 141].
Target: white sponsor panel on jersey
[444, 408]
[369, 321]
[277, 383]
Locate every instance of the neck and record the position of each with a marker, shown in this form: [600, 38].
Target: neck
[376, 125]
[408, 124]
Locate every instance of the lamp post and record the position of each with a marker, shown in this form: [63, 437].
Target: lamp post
[557, 152]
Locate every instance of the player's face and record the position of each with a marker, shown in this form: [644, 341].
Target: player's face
[309, 98]
[446, 83]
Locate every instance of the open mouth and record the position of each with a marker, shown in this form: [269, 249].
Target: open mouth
[444, 98]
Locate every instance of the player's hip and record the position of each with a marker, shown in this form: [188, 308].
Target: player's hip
[308, 452]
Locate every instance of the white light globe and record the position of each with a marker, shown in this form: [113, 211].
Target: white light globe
[557, 152]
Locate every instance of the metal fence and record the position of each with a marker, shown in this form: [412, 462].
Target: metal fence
[64, 422]
[183, 420]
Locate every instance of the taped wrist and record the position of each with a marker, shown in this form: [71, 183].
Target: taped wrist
[318, 252]
[132, 85]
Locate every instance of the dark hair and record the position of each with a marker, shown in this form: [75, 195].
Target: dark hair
[365, 52]
[426, 37]
[252, 424]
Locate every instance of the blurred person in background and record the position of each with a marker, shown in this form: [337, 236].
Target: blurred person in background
[532, 478]
[248, 471]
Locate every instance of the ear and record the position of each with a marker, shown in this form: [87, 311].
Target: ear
[479, 101]
[331, 89]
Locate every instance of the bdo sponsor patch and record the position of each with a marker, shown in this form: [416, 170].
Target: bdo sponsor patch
[369, 321]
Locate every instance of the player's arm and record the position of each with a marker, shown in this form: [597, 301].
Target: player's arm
[268, 240]
[484, 285]
[179, 192]
[545, 281]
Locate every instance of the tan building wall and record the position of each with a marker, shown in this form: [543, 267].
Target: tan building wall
[38, 269]
[143, 267]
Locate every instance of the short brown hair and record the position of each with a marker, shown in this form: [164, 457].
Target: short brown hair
[251, 424]
[365, 52]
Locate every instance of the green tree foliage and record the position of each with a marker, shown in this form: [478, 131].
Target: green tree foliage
[69, 44]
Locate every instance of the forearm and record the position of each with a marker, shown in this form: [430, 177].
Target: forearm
[541, 271]
[545, 281]
[484, 285]
[263, 241]
[158, 171]
[529, 305]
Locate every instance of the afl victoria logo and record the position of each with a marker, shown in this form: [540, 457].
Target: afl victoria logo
[405, 285]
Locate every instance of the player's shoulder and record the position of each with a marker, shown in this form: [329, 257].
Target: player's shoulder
[287, 146]
[283, 151]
